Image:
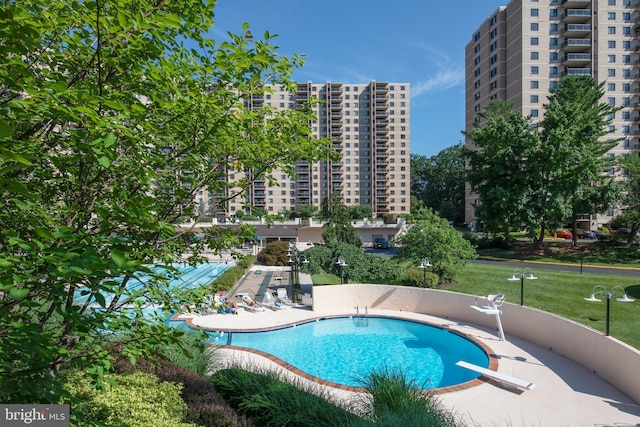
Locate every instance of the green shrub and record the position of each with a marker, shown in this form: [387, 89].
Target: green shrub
[135, 400]
[205, 407]
[415, 277]
[270, 402]
[393, 400]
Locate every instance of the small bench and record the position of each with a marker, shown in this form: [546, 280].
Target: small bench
[504, 378]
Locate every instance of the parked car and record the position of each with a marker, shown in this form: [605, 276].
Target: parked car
[381, 243]
[585, 234]
[564, 234]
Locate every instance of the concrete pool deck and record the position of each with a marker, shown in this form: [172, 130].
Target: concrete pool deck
[565, 393]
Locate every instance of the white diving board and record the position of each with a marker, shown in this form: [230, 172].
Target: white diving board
[504, 378]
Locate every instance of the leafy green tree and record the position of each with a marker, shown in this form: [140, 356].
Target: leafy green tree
[573, 149]
[306, 211]
[109, 126]
[630, 217]
[536, 178]
[338, 227]
[439, 181]
[433, 238]
[504, 142]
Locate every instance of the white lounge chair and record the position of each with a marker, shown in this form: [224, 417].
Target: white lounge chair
[283, 297]
[248, 303]
[270, 302]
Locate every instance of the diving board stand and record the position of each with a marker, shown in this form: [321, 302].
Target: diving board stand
[496, 301]
[495, 375]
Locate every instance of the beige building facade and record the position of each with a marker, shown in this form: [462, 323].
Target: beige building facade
[369, 127]
[521, 51]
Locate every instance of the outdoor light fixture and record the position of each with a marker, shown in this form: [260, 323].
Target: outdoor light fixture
[521, 274]
[424, 265]
[608, 293]
[342, 264]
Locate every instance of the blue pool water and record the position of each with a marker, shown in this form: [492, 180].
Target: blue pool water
[342, 351]
[184, 277]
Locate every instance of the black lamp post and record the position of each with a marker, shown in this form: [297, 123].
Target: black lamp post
[424, 265]
[295, 260]
[342, 264]
[519, 274]
[608, 293]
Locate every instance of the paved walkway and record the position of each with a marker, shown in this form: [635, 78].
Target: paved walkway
[565, 393]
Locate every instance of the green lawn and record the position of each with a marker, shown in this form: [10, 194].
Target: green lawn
[562, 293]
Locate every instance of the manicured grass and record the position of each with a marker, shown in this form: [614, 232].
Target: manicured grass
[594, 253]
[325, 279]
[562, 293]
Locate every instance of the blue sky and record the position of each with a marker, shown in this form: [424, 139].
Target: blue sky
[420, 42]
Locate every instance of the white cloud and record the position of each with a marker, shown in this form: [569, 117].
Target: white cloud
[446, 75]
[443, 80]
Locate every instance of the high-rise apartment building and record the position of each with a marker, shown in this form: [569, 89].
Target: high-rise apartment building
[369, 127]
[525, 47]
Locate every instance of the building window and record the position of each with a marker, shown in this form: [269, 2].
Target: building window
[611, 44]
[477, 84]
[626, 16]
[611, 100]
[494, 72]
[611, 58]
[553, 71]
[625, 129]
[626, 87]
[626, 73]
[553, 41]
[534, 12]
[534, 55]
[477, 36]
[626, 101]
[534, 113]
[626, 59]
[477, 48]
[626, 44]
[494, 33]
[626, 115]
[534, 84]
[553, 13]
[553, 27]
[494, 46]
[494, 59]
[477, 72]
[612, 2]
[611, 30]
[534, 70]
[611, 87]
[611, 16]
[611, 72]
[534, 99]
[534, 26]
[534, 41]
[553, 56]
[626, 31]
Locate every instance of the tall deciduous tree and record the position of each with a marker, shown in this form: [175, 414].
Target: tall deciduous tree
[438, 181]
[109, 126]
[574, 147]
[498, 172]
[630, 218]
[536, 178]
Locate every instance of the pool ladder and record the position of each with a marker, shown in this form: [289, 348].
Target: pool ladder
[361, 319]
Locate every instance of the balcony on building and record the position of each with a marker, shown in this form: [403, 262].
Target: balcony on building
[336, 178]
[337, 146]
[576, 59]
[576, 4]
[382, 161]
[576, 72]
[576, 45]
[381, 201]
[579, 16]
[335, 89]
[381, 138]
[380, 177]
[576, 30]
[381, 105]
[382, 148]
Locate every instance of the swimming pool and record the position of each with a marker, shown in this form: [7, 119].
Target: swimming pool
[344, 350]
[183, 276]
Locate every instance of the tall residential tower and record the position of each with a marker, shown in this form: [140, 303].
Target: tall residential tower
[369, 127]
[524, 48]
